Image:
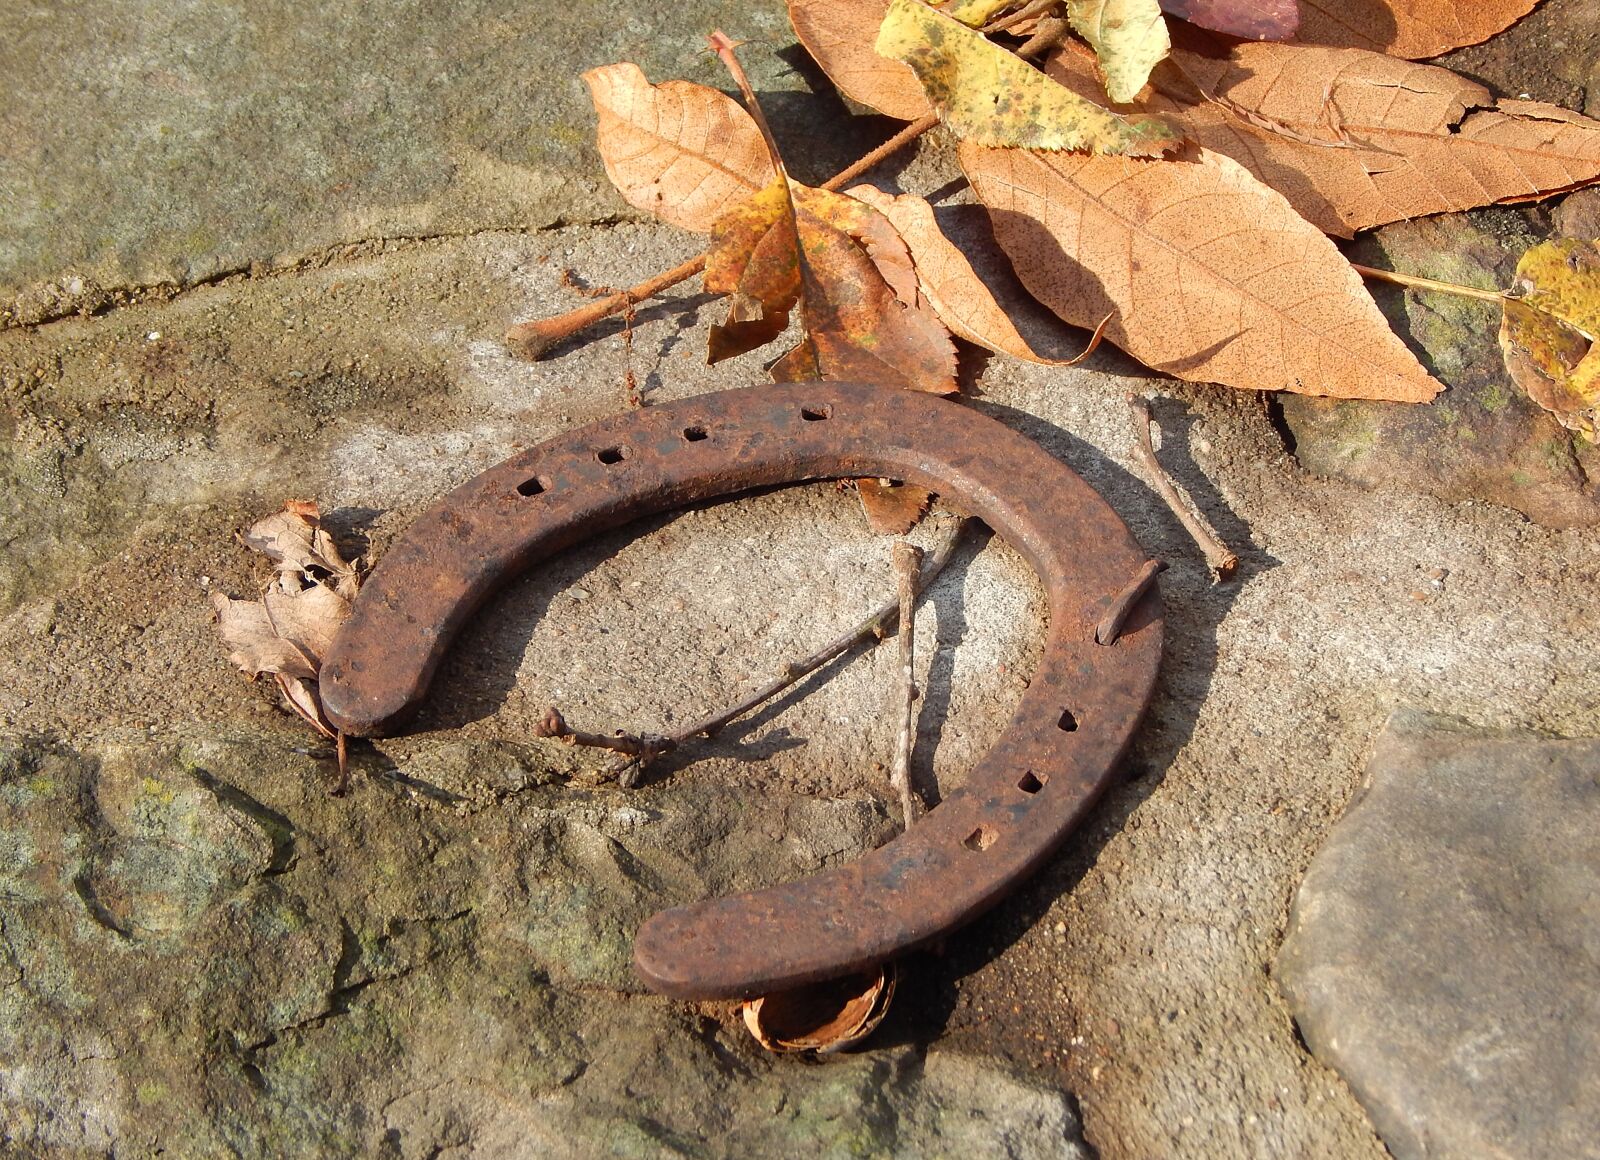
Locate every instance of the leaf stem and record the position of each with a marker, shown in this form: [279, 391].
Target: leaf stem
[1417, 282]
[723, 47]
[534, 339]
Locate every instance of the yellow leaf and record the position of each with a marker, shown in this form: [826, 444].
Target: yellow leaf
[974, 12]
[754, 258]
[1128, 36]
[992, 97]
[1548, 331]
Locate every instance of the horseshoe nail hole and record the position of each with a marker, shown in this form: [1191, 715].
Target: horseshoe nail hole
[816, 414]
[1068, 723]
[980, 839]
[610, 455]
[695, 434]
[1031, 783]
[533, 486]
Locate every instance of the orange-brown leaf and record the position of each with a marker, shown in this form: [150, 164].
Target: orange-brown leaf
[892, 509]
[1355, 139]
[839, 34]
[680, 151]
[964, 300]
[754, 258]
[1211, 274]
[1408, 28]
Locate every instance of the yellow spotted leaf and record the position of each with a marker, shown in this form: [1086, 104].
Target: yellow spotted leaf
[754, 259]
[1128, 36]
[1548, 329]
[975, 13]
[989, 96]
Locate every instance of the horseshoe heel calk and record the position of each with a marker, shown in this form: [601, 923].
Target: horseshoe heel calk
[1056, 755]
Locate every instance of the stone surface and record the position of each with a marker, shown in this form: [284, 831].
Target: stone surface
[1130, 973]
[1444, 948]
[149, 144]
[205, 957]
[1483, 438]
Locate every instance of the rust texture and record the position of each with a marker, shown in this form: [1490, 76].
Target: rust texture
[1058, 752]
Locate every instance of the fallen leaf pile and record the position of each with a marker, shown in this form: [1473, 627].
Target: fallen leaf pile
[288, 631]
[1144, 175]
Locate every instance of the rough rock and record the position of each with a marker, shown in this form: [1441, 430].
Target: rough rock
[1444, 949]
[201, 946]
[147, 145]
[1483, 439]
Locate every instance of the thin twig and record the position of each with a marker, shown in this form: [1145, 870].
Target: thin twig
[537, 338]
[552, 724]
[1052, 31]
[1222, 560]
[907, 563]
[628, 769]
[1416, 282]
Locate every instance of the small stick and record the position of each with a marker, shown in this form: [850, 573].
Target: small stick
[552, 724]
[1218, 555]
[1051, 32]
[629, 768]
[533, 340]
[1110, 626]
[907, 563]
[1417, 282]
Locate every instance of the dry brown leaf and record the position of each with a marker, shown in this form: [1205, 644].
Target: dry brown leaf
[308, 616]
[256, 646]
[1211, 275]
[1251, 19]
[1355, 139]
[679, 151]
[1548, 331]
[892, 508]
[300, 698]
[839, 35]
[964, 300]
[822, 1017]
[988, 95]
[295, 540]
[1413, 29]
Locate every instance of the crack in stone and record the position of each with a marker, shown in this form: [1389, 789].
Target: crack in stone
[97, 301]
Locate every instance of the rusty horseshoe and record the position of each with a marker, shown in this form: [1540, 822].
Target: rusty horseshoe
[1059, 750]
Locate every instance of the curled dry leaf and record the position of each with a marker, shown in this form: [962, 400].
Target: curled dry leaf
[1413, 29]
[989, 96]
[1355, 139]
[822, 1017]
[839, 34]
[1129, 37]
[754, 259]
[289, 630]
[983, 310]
[892, 508]
[1548, 331]
[1250, 19]
[1212, 276]
[295, 540]
[679, 151]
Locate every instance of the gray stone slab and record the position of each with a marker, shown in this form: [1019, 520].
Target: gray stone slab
[149, 142]
[1444, 950]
